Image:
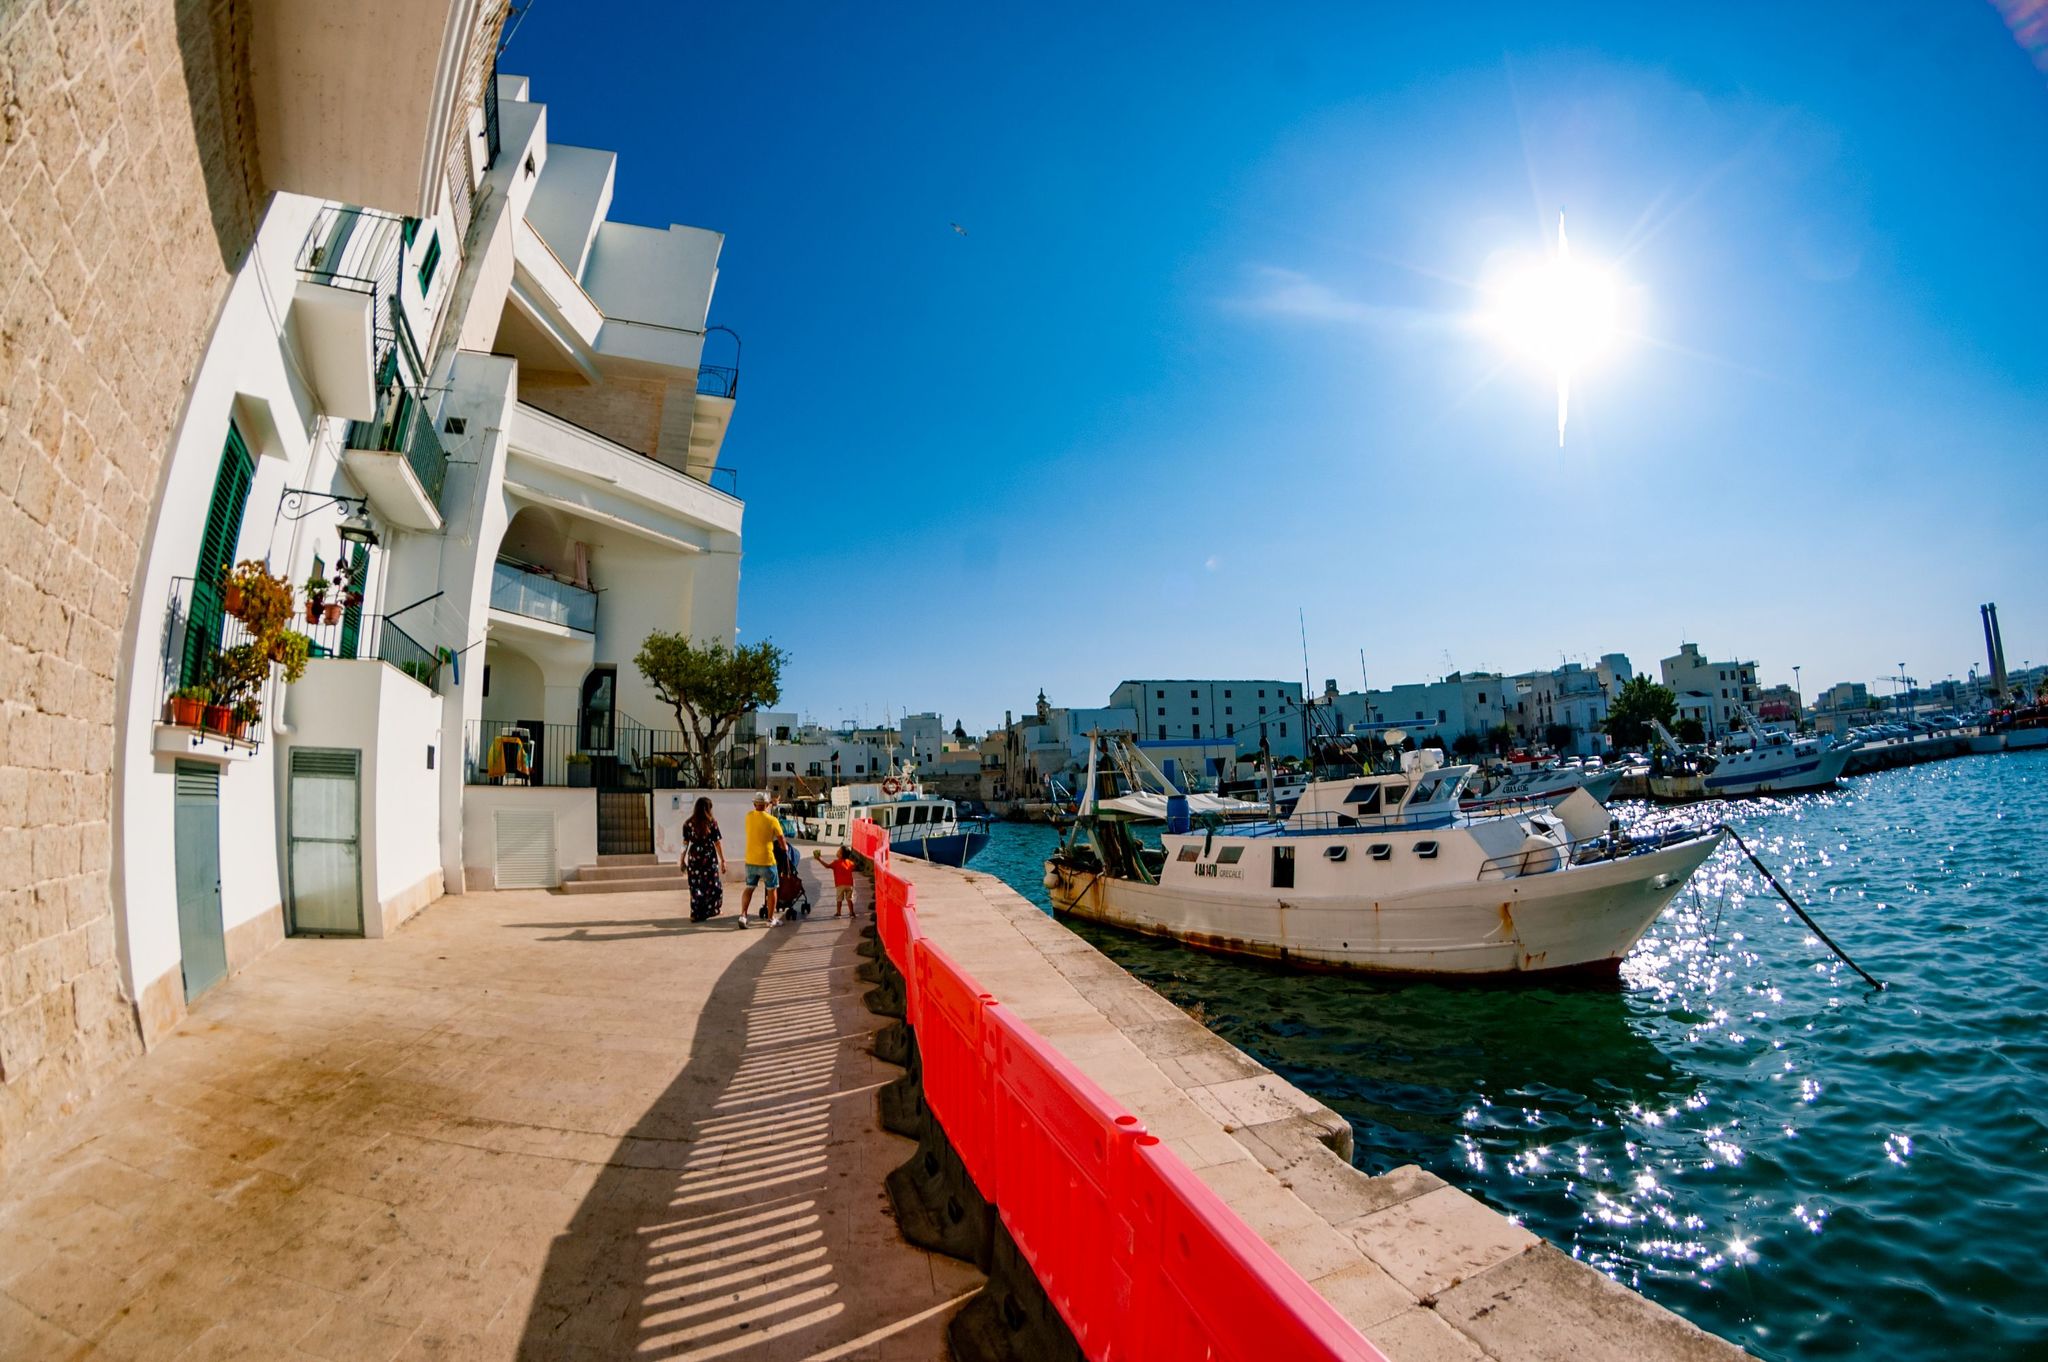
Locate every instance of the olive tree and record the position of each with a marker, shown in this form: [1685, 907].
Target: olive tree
[709, 686]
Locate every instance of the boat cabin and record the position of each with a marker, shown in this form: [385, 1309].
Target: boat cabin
[1424, 791]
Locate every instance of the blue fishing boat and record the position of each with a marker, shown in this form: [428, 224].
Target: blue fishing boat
[918, 823]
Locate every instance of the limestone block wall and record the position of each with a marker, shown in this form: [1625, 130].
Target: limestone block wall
[127, 197]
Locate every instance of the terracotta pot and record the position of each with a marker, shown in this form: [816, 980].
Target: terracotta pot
[330, 613]
[313, 610]
[187, 713]
[218, 717]
[231, 600]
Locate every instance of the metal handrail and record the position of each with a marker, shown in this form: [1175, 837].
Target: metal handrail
[518, 590]
[718, 380]
[404, 424]
[1608, 846]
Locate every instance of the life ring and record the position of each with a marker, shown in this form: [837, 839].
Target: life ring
[892, 786]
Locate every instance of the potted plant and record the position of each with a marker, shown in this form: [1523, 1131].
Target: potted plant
[346, 586]
[664, 771]
[316, 598]
[254, 596]
[246, 715]
[217, 714]
[579, 770]
[188, 705]
[230, 592]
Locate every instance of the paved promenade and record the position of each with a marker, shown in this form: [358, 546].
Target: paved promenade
[528, 1126]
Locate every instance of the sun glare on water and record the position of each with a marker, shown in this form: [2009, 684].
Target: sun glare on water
[1560, 312]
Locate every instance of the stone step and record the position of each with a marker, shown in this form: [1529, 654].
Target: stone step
[666, 884]
[627, 858]
[639, 870]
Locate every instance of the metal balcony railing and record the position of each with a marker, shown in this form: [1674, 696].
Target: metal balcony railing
[353, 248]
[519, 589]
[718, 380]
[405, 424]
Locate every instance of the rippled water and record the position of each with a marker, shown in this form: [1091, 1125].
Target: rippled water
[1740, 1129]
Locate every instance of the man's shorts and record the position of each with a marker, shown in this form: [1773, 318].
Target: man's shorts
[762, 874]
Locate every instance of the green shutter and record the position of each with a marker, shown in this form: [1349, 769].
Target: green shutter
[352, 617]
[428, 259]
[216, 547]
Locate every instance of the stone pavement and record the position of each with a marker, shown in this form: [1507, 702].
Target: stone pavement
[527, 1126]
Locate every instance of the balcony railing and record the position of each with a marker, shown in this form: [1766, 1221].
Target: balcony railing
[522, 590]
[405, 425]
[353, 248]
[198, 631]
[625, 756]
[717, 380]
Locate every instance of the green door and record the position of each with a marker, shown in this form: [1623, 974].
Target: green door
[324, 822]
[352, 617]
[201, 941]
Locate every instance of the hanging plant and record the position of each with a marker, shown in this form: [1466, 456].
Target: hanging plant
[256, 596]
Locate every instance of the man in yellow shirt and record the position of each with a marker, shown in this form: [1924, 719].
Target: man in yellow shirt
[764, 830]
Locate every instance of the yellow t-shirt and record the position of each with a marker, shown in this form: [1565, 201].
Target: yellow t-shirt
[762, 830]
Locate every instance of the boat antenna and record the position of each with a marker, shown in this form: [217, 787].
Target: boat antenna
[1791, 903]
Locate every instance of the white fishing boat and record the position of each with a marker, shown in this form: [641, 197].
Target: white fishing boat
[1387, 875]
[1775, 763]
[918, 824]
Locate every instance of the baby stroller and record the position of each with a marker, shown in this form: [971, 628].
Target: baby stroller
[791, 901]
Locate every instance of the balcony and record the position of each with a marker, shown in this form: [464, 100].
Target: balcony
[398, 459]
[342, 305]
[531, 593]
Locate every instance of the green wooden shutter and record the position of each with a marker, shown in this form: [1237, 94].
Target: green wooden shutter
[216, 547]
[352, 616]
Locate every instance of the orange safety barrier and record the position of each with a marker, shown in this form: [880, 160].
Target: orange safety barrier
[1139, 1256]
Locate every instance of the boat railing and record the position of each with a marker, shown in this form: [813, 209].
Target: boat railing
[1329, 821]
[1583, 850]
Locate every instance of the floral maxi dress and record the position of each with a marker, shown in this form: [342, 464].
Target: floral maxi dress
[700, 867]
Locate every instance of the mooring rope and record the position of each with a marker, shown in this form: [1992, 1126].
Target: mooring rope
[1804, 917]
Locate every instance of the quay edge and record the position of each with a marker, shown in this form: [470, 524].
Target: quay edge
[1419, 1267]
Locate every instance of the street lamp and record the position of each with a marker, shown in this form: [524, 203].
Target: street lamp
[1798, 696]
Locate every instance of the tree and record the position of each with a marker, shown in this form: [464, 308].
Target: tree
[709, 685]
[1639, 701]
[1689, 730]
[1559, 736]
[1501, 739]
[1467, 745]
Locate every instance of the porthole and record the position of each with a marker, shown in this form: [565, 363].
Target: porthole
[1335, 853]
[1426, 850]
[1382, 852]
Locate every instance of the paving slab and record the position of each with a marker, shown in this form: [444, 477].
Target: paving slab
[528, 1125]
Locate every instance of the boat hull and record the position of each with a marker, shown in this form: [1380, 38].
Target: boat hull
[1585, 918]
[1798, 777]
[2025, 739]
[952, 848]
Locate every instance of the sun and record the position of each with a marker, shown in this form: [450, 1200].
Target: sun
[1562, 313]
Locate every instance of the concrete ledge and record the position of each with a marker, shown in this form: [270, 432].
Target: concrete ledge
[249, 939]
[1419, 1267]
[396, 910]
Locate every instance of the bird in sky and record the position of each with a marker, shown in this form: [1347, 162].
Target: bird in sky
[958, 228]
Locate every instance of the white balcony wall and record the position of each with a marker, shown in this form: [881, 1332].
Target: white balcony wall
[569, 203]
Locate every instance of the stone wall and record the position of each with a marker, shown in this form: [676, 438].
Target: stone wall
[127, 197]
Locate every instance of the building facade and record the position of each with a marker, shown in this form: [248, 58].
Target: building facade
[1241, 712]
[1709, 691]
[405, 373]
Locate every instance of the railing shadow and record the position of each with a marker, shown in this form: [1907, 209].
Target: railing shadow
[740, 1215]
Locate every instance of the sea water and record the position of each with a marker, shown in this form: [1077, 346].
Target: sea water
[1739, 1128]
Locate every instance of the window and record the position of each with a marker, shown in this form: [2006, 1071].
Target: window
[1283, 730]
[1193, 693]
[1262, 695]
[409, 229]
[1161, 695]
[1366, 797]
[1393, 794]
[1335, 853]
[1380, 851]
[1196, 710]
[1226, 708]
[1442, 717]
[431, 258]
[1197, 731]
[1283, 867]
[1162, 732]
[1229, 855]
[487, 680]
[1190, 852]
[1162, 711]
[1262, 709]
[1230, 730]
[1482, 697]
[1426, 850]
[217, 542]
[1226, 695]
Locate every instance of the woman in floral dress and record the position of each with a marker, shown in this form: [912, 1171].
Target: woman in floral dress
[704, 862]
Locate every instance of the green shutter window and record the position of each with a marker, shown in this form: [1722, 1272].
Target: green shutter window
[428, 260]
[410, 229]
[352, 615]
[204, 618]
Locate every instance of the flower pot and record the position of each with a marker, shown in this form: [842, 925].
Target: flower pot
[187, 713]
[218, 717]
[579, 775]
[231, 600]
[313, 610]
[331, 613]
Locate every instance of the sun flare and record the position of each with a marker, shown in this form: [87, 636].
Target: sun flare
[1560, 312]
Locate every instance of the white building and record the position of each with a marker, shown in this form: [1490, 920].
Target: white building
[1710, 691]
[1461, 704]
[1242, 712]
[488, 405]
[924, 738]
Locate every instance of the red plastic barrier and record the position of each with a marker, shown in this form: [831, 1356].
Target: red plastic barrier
[1139, 1256]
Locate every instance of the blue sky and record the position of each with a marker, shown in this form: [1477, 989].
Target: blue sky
[1204, 357]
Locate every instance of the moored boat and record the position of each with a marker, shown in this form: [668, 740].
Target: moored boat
[918, 824]
[1422, 889]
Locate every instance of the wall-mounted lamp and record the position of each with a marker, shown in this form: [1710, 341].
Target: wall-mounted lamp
[299, 502]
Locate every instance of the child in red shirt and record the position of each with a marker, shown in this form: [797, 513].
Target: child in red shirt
[842, 881]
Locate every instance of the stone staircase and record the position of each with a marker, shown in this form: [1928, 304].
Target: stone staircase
[627, 874]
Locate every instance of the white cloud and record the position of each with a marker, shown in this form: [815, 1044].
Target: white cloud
[1291, 295]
